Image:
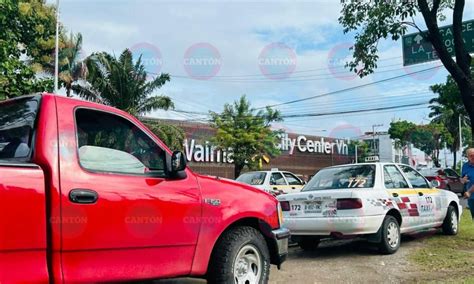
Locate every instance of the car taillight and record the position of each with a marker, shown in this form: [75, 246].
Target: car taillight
[349, 203]
[285, 205]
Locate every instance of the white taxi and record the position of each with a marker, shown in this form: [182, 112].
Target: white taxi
[379, 201]
[274, 181]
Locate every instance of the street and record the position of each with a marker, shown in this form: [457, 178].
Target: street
[343, 261]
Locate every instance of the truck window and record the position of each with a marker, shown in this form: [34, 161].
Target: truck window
[110, 143]
[17, 122]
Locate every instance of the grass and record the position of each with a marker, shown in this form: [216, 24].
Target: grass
[451, 257]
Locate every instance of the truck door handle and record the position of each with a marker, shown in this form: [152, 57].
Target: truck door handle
[420, 193]
[275, 188]
[83, 196]
[395, 194]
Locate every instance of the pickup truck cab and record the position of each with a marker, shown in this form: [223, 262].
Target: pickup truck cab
[89, 194]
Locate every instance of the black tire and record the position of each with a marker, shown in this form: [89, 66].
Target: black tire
[391, 237]
[451, 222]
[309, 243]
[227, 249]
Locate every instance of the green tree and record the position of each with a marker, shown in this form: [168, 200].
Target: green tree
[121, 83]
[400, 131]
[446, 109]
[430, 139]
[363, 150]
[173, 136]
[70, 67]
[27, 37]
[374, 20]
[247, 132]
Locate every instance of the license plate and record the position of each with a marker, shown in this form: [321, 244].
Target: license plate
[314, 207]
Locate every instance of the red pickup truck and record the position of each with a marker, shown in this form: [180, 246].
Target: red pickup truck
[89, 194]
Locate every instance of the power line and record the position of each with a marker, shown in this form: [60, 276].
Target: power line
[352, 114]
[289, 114]
[352, 88]
[268, 77]
[353, 111]
[284, 73]
[364, 102]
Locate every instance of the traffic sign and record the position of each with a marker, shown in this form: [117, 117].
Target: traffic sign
[416, 49]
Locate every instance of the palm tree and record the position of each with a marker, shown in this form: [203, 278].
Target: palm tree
[446, 109]
[70, 67]
[121, 83]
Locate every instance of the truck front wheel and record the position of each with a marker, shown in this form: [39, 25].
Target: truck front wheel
[240, 256]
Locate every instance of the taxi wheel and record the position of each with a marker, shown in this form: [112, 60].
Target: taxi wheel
[450, 224]
[309, 243]
[391, 237]
[240, 256]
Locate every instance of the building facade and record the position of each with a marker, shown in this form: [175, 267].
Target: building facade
[303, 155]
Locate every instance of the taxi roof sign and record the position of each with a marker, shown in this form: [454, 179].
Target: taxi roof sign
[372, 159]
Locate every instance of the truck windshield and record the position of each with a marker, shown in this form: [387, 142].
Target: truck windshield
[17, 120]
[345, 177]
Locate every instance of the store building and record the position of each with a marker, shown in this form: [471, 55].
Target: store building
[303, 155]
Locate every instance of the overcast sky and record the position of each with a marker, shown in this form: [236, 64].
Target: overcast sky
[271, 51]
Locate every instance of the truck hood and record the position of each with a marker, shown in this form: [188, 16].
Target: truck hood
[231, 185]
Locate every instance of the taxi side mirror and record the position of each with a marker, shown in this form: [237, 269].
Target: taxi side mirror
[435, 183]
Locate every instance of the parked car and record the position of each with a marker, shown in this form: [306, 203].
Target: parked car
[275, 181]
[448, 178]
[94, 196]
[379, 201]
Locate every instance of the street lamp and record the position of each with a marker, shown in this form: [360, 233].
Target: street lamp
[56, 53]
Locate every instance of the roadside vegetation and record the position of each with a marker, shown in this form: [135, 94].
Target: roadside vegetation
[448, 259]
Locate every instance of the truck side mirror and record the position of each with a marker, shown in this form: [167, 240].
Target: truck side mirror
[176, 164]
[178, 161]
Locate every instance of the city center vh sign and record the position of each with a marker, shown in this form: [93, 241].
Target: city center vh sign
[212, 154]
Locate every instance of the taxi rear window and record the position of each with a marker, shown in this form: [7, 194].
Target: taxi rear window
[347, 177]
[256, 178]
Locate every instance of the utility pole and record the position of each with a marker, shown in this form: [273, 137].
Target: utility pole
[56, 64]
[445, 156]
[356, 153]
[373, 136]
